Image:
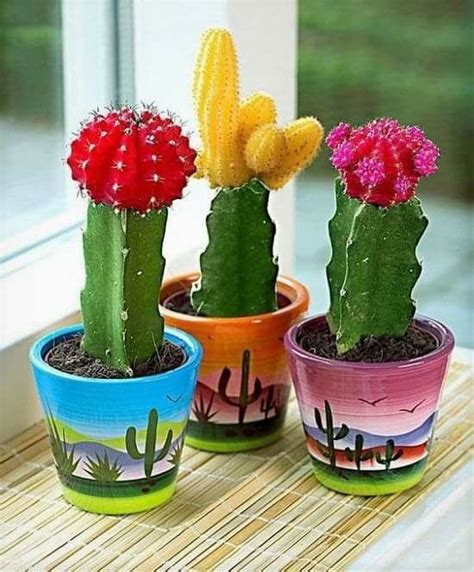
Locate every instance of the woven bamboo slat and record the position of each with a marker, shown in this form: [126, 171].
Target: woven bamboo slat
[257, 511]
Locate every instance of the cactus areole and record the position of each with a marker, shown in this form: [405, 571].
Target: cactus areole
[376, 228]
[132, 164]
[244, 155]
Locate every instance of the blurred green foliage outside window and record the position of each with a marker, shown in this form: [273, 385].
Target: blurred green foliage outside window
[31, 60]
[412, 60]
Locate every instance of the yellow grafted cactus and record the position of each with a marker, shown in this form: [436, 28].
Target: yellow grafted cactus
[216, 97]
[265, 149]
[303, 139]
[256, 110]
[225, 163]
[241, 140]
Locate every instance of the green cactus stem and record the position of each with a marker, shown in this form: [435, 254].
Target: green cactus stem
[238, 271]
[149, 456]
[330, 450]
[373, 268]
[357, 456]
[390, 456]
[245, 398]
[124, 268]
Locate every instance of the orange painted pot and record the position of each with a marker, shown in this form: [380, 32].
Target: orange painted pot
[243, 384]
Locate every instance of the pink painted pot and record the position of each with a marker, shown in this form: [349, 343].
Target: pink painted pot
[369, 426]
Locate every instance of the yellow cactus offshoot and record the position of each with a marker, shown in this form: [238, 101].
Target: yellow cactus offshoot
[265, 148]
[241, 140]
[256, 110]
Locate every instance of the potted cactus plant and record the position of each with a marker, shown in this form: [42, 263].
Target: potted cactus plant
[368, 376]
[237, 306]
[117, 391]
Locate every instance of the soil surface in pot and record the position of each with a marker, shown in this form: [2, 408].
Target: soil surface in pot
[68, 357]
[321, 342]
[181, 302]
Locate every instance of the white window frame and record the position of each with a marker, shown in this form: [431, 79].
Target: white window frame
[40, 289]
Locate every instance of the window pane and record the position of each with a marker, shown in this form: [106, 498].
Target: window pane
[362, 59]
[31, 115]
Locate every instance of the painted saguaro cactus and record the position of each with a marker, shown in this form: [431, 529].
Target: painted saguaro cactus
[390, 454]
[246, 397]
[244, 155]
[358, 455]
[150, 455]
[376, 228]
[330, 431]
[132, 164]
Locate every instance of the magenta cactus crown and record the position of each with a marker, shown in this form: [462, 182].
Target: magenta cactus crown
[382, 162]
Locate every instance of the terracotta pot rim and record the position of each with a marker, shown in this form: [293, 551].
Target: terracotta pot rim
[443, 334]
[299, 304]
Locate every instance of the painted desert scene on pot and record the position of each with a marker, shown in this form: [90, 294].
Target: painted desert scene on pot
[234, 403]
[116, 452]
[377, 432]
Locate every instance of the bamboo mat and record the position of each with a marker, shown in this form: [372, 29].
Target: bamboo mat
[259, 511]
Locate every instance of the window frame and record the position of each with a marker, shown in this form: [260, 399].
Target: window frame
[108, 52]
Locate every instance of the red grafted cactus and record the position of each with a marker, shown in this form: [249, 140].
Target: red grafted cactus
[132, 159]
[382, 162]
[132, 163]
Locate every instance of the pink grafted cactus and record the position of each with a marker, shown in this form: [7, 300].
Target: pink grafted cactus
[382, 162]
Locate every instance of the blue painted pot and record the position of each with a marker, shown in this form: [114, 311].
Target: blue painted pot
[116, 443]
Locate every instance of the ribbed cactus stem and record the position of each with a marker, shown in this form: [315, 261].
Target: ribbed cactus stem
[238, 272]
[373, 268]
[124, 269]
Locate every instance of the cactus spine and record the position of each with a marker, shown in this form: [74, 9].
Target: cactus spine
[389, 454]
[358, 456]
[149, 456]
[121, 320]
[244, 153]
[245, 398]
[373, 268]
[329, 431]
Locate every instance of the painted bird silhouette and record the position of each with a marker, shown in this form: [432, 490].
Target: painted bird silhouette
[174, 400]
[413, 409]
[373, 403]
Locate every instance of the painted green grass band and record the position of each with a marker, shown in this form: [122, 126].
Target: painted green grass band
[378, 483]
[116, 489]
[118, 505]
[232, 446]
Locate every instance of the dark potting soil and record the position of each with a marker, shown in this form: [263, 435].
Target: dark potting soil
[181, 303]
[68, 357]
[321, 342]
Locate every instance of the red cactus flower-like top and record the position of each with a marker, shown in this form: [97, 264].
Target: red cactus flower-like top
[132, 159]
[382, 162]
